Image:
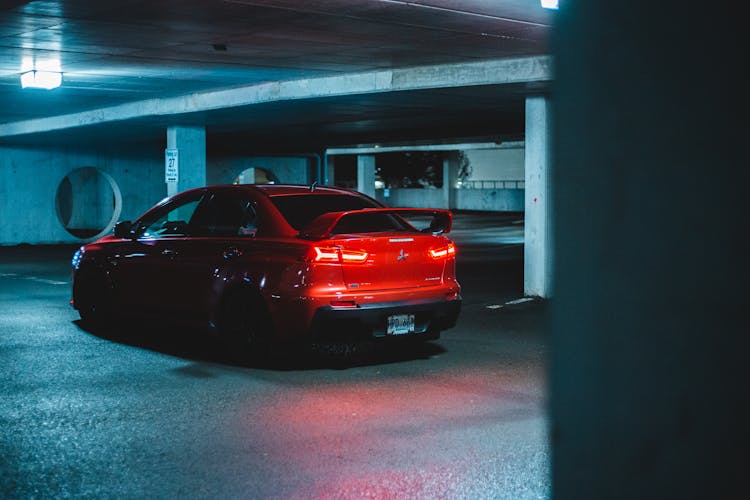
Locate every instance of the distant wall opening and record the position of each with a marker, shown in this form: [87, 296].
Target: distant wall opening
[88, 202]
[256, 175]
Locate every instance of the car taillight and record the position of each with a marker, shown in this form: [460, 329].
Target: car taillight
[338, 255]
[354, 256]
[443, 252]
[326, 254]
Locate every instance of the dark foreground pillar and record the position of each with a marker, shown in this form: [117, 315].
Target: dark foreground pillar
[649, 371]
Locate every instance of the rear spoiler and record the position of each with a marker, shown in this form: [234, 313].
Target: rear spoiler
[322, 226]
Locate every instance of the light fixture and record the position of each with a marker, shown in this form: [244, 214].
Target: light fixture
[37, 79]
[549, 4]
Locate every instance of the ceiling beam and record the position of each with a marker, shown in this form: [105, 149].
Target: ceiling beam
[491, 72]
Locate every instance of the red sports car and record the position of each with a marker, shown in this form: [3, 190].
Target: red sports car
[276, 262]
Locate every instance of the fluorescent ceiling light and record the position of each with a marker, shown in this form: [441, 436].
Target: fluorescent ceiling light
[36, 79]
[549, 4]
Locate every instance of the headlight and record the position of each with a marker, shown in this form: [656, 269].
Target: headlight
[76, 262]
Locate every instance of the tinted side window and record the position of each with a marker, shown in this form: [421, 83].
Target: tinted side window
[300, 209]
[225, 216]
[172, 221]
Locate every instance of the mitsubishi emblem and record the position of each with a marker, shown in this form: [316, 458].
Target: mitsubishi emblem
[402, 255]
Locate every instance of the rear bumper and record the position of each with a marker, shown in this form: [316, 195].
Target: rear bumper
[369, 321]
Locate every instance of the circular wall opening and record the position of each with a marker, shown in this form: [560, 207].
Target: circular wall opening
[88, 203]
[256, 175]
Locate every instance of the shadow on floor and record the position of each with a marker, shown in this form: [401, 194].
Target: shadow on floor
[197, 345]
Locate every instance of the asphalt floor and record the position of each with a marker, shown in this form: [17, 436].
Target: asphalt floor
[158, 411]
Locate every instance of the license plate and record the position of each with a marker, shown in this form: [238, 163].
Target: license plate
[400, 324]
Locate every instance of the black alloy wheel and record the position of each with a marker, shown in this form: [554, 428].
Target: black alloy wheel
[245, 325]
[92, 297]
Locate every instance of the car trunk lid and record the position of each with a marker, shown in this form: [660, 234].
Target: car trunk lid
[378, 249]
[394, 260]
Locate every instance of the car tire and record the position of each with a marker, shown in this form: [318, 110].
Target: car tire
[245, 325]
[92, 297]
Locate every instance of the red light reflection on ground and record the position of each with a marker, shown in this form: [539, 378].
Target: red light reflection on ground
[387, 485]
[402, 437]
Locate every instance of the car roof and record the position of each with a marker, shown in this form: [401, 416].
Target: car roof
[288, 189]
[281, 189]
[265, 192]
[280, 226]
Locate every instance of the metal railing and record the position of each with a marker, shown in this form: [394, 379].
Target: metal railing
[491, 184]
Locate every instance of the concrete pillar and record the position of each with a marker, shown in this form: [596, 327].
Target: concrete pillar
[450, 176]
[366, 174]
[330, 170]
[190, 142]
[537, 272]
[649, 332]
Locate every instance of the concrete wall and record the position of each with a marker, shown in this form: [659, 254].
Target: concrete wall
[496, 164]
[289, 170]
[89, 198]
[494, 200]
[29, 179]
[417, 198]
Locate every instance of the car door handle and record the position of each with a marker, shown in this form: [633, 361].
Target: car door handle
[232, 253]
[169, 252]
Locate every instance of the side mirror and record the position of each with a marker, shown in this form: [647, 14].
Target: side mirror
[124, 230]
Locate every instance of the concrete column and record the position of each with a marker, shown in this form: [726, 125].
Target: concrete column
[330, 170]
[649, 322]
[366, 174]
[190, 143]
[537, 272]
[450, 175]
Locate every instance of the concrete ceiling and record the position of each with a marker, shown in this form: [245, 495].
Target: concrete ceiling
[117, 52]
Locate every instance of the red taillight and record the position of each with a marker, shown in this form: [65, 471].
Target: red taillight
[338, 255]
[443, 252]
[354, 256]
[326, 254]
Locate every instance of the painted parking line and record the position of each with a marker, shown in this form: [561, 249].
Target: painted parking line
[46, 281]
[510, 303]
[519, 301]
[34, 279]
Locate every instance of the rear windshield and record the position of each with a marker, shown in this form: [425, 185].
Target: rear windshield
[300, 210]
